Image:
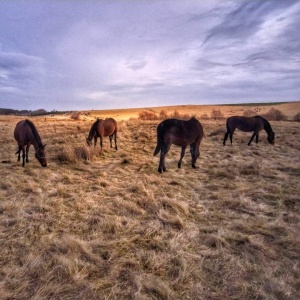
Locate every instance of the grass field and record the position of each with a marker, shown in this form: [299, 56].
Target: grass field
[109, 226]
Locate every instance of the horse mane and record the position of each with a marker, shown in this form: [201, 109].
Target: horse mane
[93, 128]
[34, 132]
[267, 125]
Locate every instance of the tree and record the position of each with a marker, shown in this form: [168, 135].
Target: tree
[163, 114]
[216, 114]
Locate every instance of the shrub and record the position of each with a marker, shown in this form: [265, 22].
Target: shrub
[274, 115]
[204, 117]
[163, 115]
[297, 117]
[216, 114]
[249, 113]
[175, 114]
[147, 115]
[75, 115]
[71, 155]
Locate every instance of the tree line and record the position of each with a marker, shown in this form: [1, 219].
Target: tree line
[25, 112]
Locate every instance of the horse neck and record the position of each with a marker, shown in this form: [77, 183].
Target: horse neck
[267, 127]
[92, 132]
[35, 138]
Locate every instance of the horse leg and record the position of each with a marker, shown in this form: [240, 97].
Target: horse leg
[257, 138]
[95, 141]
[110, 139]
[195, 153]
[161, 162]
[225, 137]
[23, 155]
[252, 137]
[19, 153]
[164, 150]
[115, 135]
[27, 151]
[230, 136]
[101, 145]
[181, 156]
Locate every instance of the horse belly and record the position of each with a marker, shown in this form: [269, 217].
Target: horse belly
[245, 128]
[21, 134]
[179, 141]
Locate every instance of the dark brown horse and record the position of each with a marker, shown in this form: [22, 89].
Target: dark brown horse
[26, 134]
[249, 124]
[180, 133]
[102, 128]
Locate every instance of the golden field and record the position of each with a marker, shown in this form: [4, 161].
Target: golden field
[109, 226]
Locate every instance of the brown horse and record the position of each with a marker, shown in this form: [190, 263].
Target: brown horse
[26, 134]
[102, 128]
[249, 124]
[180, 133]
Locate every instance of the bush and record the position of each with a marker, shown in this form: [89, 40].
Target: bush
[204, 117]
[216, 114]
[75, 115]
[163, 115]
[175, 114]
[148, 115]
[249, 113]
[71, 155]
[274, 115]
[297, 117]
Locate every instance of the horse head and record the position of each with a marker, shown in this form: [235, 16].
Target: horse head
[88, 141]
[271, 138]
[40, 155]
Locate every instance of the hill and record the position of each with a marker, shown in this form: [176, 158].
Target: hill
[109, 226]
[289, 109]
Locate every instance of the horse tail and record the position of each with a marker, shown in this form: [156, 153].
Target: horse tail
[157, 149]
[160, 138]
[227, 125]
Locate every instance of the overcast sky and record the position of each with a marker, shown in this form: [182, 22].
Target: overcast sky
[74, 55]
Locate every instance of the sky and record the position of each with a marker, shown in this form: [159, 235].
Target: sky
[109, 54]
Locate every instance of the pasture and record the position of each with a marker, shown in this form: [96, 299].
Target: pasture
[111, 227]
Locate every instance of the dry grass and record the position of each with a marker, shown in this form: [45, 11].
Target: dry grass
[108, 226]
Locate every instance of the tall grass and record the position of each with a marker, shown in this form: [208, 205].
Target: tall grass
[109, 226]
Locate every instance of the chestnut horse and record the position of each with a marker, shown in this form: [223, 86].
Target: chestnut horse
[26, 134]
[102, 128]
[180, 133]
[248, 124]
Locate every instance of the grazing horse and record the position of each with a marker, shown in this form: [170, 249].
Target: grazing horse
[249, 124]
[26, 134]
[102, 128]
[180, 133]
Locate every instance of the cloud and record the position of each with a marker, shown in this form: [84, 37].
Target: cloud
[19, 74]
[62, 55]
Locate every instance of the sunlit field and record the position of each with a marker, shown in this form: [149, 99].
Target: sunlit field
[109, 226]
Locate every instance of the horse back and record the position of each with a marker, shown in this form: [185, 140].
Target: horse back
[107, 127]
[179, 132]
[245, 124]
[23, 133]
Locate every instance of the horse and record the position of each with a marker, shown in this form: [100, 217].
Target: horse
[249, 124]
[26, 134]
[180, 133]
[102, 128]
